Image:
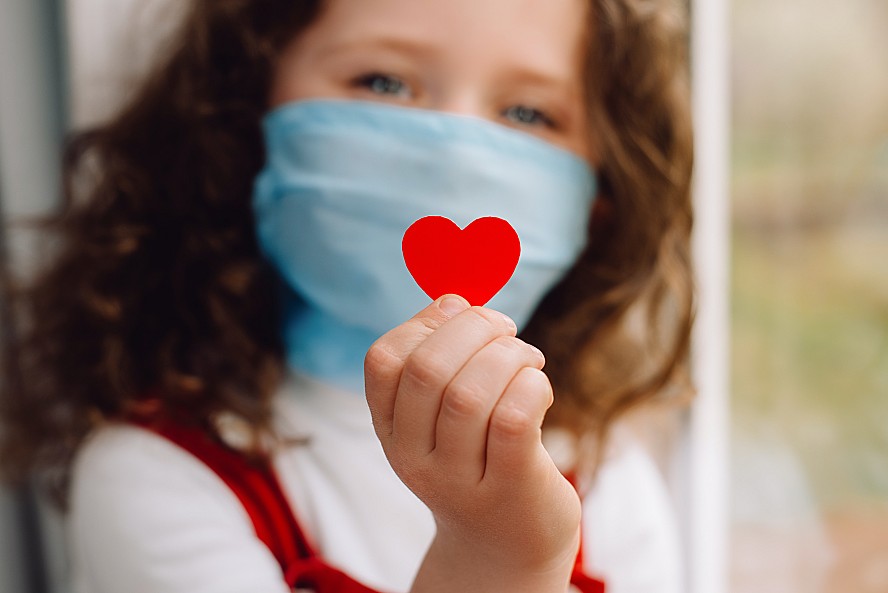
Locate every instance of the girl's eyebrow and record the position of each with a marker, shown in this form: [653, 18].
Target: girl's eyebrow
[385, 42]
[523, 74]
[529, 76]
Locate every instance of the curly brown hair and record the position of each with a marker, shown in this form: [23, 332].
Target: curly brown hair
[157, 285]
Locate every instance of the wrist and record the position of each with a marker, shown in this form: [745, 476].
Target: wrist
[454, 564]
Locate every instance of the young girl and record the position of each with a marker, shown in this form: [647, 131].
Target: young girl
[229, 359]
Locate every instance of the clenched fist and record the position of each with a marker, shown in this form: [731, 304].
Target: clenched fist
[457, 402]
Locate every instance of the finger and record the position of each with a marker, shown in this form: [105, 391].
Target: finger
[514, 435]
[469, 399]
[385, 358]
[432, 365]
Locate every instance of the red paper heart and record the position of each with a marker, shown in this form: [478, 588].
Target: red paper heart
[474, 263]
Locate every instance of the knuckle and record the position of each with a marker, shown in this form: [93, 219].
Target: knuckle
[499, 321]
[463, 399]
[511, 345]
[426, 370]
[427, 325]
[379, 360]
[508, 421]
[490, 319]
[516, 352]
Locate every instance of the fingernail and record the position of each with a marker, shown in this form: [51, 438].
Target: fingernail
[509, 322]
[537, 351]
[453, 305]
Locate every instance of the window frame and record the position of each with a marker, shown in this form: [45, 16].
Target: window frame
[701, 473]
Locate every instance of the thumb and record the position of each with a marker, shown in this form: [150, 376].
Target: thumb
[444, 308]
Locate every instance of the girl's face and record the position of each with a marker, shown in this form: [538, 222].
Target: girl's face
[515, 62]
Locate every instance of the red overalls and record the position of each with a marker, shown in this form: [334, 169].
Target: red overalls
[258, 489]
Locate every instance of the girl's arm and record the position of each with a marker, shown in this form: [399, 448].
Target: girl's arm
[457, 403]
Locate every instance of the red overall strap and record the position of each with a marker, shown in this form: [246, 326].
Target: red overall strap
[580, 579]
[257, 488]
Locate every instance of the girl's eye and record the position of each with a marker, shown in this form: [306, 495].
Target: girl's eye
[382, 84]
[528, 116]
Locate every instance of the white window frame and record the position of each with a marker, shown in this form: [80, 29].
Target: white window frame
[703, 461]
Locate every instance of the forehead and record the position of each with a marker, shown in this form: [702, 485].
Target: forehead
[545, 33]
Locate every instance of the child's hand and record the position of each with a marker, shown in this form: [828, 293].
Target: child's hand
[457, 402]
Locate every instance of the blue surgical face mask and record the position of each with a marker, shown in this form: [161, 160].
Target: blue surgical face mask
[345, 179]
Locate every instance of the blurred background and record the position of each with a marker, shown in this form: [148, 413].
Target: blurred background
[809, 296]
[806, 499]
